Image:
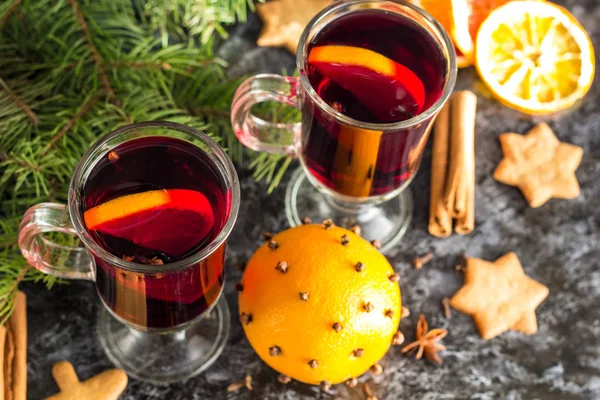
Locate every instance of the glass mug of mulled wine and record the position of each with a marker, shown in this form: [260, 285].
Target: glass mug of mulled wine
[373, 75]
[153, 204]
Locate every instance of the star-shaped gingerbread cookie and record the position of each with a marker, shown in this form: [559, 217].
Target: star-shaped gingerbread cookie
[107, 385]
[499, 296]
[284, 21]
[541, 166]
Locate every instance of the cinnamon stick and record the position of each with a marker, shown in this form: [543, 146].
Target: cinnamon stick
[466, 104]
[466, 224]
[463, 106]
[9, 355]
[17, 323]
[2, 341]
[355, 159]
[440, 222]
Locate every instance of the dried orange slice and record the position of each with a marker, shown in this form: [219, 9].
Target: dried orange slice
[170, 221]
[467, 16]
[364, 72]
[535, 57]
[442, 12]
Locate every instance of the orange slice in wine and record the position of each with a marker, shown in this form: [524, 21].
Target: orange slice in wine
[380, 83]
[171, 221]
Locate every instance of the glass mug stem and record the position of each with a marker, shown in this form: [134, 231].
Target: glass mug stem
[46, 256]
[256, 133]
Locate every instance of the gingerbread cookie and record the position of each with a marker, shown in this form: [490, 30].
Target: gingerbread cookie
[284, 21]
[499, 296]
[107, 385]
[539, 164]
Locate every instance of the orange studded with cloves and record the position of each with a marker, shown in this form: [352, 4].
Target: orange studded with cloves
[313, 315]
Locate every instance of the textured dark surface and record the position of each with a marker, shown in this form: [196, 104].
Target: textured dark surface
[558, 244]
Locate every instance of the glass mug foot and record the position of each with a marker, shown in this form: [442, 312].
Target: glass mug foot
[386, 222]
[163, 358]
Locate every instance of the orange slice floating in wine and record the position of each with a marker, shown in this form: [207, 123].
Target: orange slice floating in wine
[380, 83]
[171, 221]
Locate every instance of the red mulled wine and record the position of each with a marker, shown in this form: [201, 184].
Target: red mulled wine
[154, 201]
[374, 67]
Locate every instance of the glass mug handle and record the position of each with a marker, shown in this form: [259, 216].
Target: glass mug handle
[49, 257]
[256, 133]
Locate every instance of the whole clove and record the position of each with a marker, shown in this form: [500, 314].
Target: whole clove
[376, 369]
[446, 307]
[405, 312]
[419, 262]
[245, 318]
[352, 382]
[267, 236]
[282, 267]
[398, 338]
[345, 240]
[274, 351]
[113, 156]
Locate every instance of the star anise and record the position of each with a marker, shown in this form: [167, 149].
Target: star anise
[427, 342]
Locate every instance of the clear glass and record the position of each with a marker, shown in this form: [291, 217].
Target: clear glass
[146, 350]
[356, 195]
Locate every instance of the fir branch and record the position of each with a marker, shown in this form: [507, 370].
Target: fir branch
[210, 112]
[95, 55]
[34, 119]
[23, 163]
[70, 123]
[152, 59]
[15, 4]
[7, 298]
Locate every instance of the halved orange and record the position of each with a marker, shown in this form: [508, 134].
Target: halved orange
[441, 10]
[467, 17]
[535, 57]
[377, 81]
[170, 221]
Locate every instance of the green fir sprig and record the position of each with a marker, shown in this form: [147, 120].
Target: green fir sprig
[73, 70]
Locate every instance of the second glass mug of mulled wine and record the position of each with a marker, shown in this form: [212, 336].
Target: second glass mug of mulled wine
[153, 204]
[373, 75]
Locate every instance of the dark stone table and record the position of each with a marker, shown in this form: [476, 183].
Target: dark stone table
[558, 244]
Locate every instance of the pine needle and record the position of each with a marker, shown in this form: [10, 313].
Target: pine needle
[74, 70]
